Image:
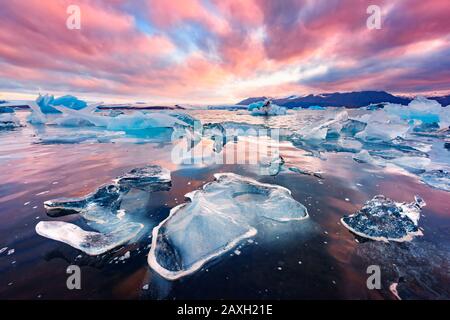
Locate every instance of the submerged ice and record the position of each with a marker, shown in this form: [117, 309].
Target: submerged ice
[215, 220]
[111, 210]
[383, 219]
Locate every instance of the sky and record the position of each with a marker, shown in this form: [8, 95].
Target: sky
[221, 51]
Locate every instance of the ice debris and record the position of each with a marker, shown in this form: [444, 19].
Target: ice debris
[6, 110]
[421, 109]
[8, 121]
[47, 103]
[91, 243]
[316, 108]
[439, 179]
[382, 219]
[112, 211]
[217, 218]
[266, 108]
[71, 112]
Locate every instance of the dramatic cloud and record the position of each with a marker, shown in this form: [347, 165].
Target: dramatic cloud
[199, 51]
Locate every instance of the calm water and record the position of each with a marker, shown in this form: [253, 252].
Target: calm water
[316, 258]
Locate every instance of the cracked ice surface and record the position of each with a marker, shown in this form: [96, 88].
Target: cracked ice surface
[218, 217]
[382, 219]
[110, 210]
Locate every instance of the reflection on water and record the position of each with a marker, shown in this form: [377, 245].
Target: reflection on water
[314, 258]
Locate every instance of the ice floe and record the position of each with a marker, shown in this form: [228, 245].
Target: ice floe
[71, 112]
[111, 210]
[266, 108]
[383, 219]
[90, 242]
[8, 121]
[439, 179]
[215, 220]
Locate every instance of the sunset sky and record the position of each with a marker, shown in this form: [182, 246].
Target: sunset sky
[221, 51]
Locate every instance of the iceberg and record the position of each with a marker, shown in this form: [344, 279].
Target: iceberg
[216, 219]
[439, 179]
[270, 165]
[47, 103]
[90, 242]
[266, 108]
[364, 157]
[382, 219]
[316, 108]
[422, 109]
[111, 210]
[382, 126]
[8, 121]
[6, 110]
[306, 172]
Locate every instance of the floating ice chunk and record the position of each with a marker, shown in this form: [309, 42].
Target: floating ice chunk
[266, 108]
[255, 105]
[316, 108]
[111, 210]
[364, 157]
[149, 178]
[91, 243]
[382, 219]
[327, 129]
[351, 127]
[47, 103]
[102, 205]
[6, 110]
[270, 165]
[382, 127]
[218, 217]
[422, 109]
[439, 179]
[316, 174]
[8, 121]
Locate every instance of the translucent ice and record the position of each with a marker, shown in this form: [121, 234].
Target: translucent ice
[48, 102]
[270, 165]
[6, 110]
[90, 242]
[111, 210]
[382, 126]
[8, 121]
[266, 108]
[422, 109]
[218, 217]
[382, 219]
[316, 108]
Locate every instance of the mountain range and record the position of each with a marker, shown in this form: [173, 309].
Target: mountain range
[345, 99]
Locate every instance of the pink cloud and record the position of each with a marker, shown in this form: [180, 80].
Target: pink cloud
[232, 42]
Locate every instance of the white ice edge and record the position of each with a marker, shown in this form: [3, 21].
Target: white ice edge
[174, 275]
